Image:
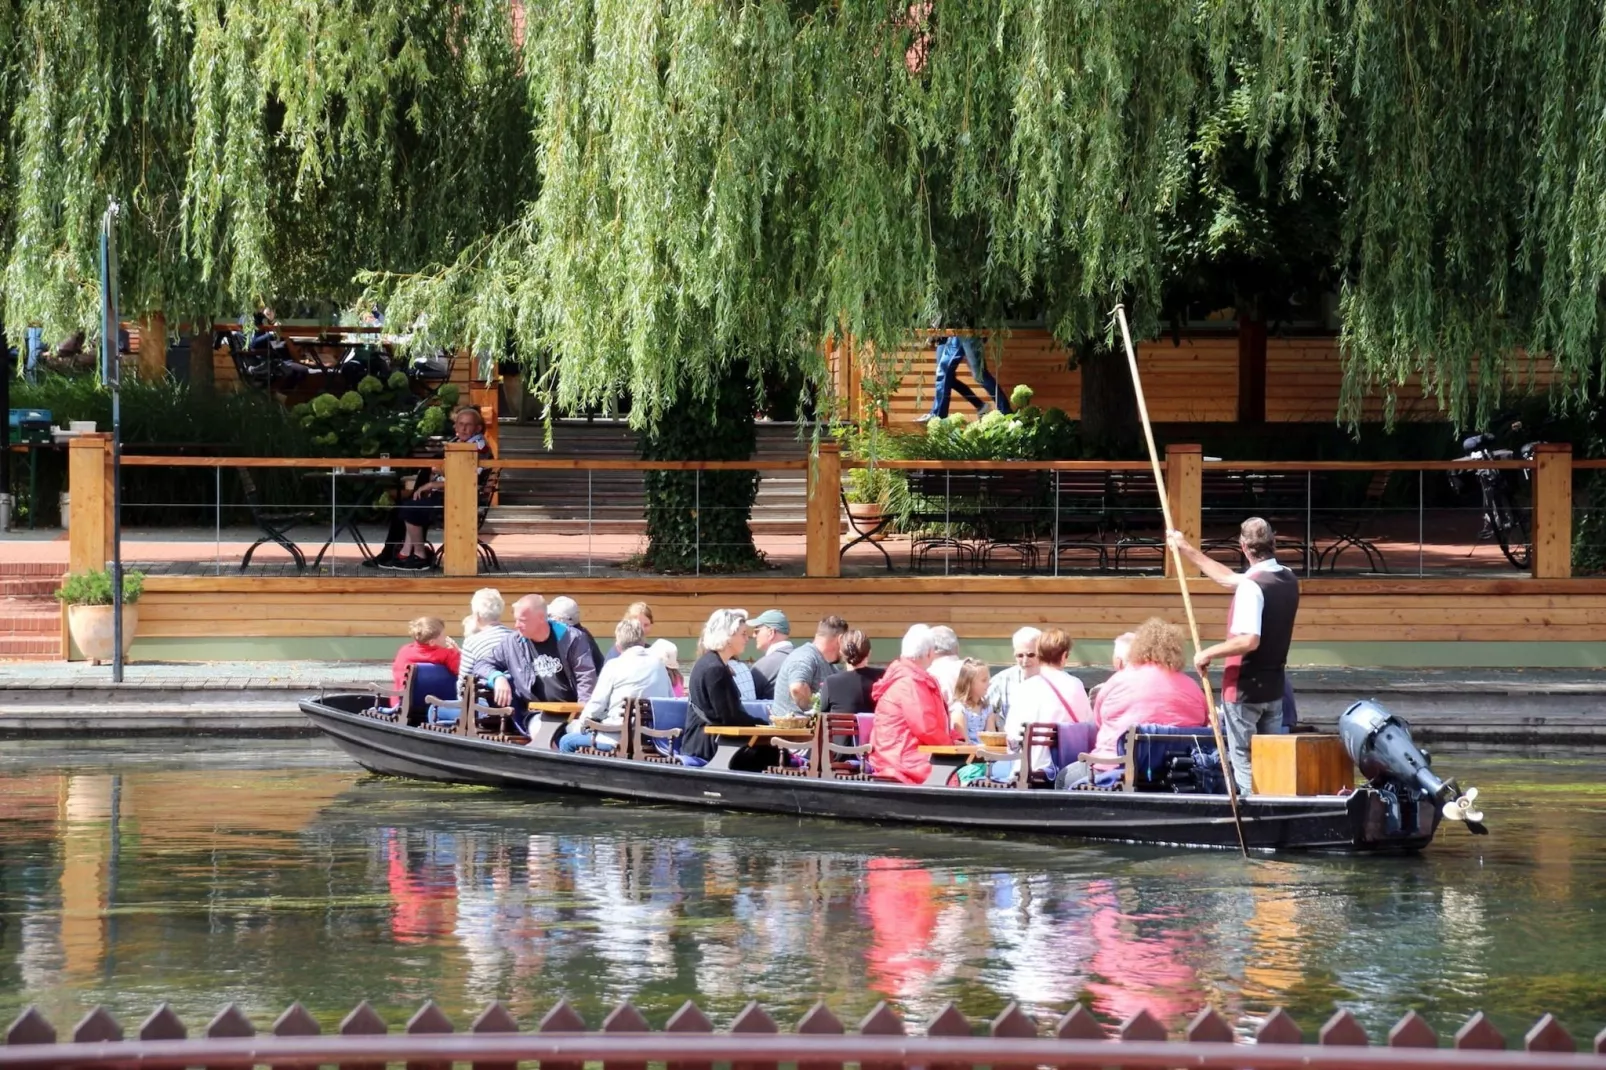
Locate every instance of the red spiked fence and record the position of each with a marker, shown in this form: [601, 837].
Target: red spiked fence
[688, 1041]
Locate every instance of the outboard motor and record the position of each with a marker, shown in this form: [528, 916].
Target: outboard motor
[1380, 745]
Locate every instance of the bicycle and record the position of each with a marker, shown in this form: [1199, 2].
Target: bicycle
[1507, 495]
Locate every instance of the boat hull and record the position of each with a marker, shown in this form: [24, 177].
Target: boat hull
[1322, 823]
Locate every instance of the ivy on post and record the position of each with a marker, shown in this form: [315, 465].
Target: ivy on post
[823, 559]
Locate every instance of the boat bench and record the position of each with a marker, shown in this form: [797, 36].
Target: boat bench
[1147, 753]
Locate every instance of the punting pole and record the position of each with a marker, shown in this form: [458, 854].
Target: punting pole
[1182, 577]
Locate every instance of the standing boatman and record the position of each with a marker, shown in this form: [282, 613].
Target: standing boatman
[1265, 601]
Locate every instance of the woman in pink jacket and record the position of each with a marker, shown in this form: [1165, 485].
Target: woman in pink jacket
[1151, 689]
[909, 712]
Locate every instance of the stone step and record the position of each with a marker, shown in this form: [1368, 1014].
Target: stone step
[29, 586]
[30, 648]
[115, 719]
[22, 569]
[29, 619]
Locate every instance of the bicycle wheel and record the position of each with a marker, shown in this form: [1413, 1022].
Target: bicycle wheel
[1511, 529]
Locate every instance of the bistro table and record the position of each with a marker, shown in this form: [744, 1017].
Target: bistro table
[366, 484]
[732, 738]
[946, 760]
[550, 721]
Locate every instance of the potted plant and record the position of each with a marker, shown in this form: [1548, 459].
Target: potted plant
[88, 598]
[866, 491]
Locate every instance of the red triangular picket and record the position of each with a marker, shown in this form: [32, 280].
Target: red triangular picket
[625, 1019]
[1078, 1023]
[97, 1026]
[1600, 1042]
[362, 1021]
[818, 1019]
[296, 1022]
[949, 1022]
[230, 1022]
[881, 1022]
[753, 1019]
[1279, 1027]
[30, 1027]
[1142, 1026]
[1548, 1035]
[1208, 1027]
[1413, 1031]
[1479, 1034]
[1013, 1022]
[1344, 1031]
[163, 1024]
[495, 1018]
[428, 1020]
[689, 1019]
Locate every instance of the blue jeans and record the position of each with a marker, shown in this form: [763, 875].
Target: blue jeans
[573, 741]
[1240, 721]
[950, 354]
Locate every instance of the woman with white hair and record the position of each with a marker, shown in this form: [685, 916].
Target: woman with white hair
[712, 697]
[910, 712]
[566, 611]
[487, 608]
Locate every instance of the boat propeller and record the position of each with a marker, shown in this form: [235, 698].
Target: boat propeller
[1463, 808]
[1380, 745]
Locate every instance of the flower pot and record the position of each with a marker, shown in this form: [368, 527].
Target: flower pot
[91, 628]
[865, 516]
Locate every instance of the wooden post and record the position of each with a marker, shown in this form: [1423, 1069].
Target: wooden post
[1553, 511]
[153, 347]
[460, 529]
[89, 485]
[824, 555]
[1184, 477]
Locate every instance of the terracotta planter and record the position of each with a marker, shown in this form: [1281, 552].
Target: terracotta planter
[865, 517]
[91, 628]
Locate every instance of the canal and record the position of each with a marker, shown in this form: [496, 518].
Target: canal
[201, 872]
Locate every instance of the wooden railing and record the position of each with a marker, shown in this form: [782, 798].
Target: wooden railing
[1185, 467]
[755, 1042]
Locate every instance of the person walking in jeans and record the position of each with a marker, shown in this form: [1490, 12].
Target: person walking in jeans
[1265, 601]
[952, 351]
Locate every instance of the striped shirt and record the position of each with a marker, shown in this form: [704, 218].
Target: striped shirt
[478, 645]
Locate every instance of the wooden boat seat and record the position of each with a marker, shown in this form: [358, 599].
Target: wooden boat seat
[621, 733]
[650, 742]
[1145, 753]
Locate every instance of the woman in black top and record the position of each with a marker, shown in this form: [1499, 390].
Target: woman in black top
[712, 697]
[849, 691]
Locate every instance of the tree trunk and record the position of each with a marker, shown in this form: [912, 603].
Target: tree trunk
[699, 521]
[202, 380]
[1110, 426]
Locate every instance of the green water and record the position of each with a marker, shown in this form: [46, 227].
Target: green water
[263, 872]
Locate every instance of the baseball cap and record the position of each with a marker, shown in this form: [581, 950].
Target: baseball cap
[772, 618]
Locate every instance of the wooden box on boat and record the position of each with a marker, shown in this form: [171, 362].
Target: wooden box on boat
[1300, 764]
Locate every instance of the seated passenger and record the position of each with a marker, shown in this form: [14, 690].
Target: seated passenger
[1007, 682]
[969, 710]
[430, 645]
[712, 698]
[641, 612]
[665, 652]
[909, 712]
[540, 661]
[486, 607]
[635, 673]
[1152, 689]
[1053, 696]
[848, 691]
[567, 611]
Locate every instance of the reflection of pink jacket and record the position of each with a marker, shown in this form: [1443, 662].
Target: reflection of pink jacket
[909, 714]
[1146, 694]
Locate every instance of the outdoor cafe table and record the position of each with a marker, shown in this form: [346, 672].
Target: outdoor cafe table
[731, 738]
[945, 762]
[550, 719]
[367, 484]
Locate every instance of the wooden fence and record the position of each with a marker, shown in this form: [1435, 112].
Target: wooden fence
[689, 1041]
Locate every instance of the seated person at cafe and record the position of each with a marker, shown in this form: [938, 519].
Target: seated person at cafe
[1151, 690]
[635, 673]
[806, 668]
[1053, 696]
[909, 712]
[426, 505]
[541, 661]
[848, 691]
[431, 645]
[486, 607]
[712, 698]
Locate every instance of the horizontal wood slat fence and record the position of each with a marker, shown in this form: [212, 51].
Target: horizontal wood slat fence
[755, 1042]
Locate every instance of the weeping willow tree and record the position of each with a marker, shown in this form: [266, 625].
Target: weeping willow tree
[653, 197]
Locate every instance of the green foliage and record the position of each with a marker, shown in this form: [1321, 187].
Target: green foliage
[1027, 434]
[377, 417]
[94, 588]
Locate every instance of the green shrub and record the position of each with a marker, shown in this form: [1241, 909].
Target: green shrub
[94, 588]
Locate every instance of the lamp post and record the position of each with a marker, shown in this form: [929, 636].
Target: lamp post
[111, 375]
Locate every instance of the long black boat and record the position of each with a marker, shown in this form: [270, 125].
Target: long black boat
[1400, 810]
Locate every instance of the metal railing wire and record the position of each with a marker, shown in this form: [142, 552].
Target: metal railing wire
[820, 1039]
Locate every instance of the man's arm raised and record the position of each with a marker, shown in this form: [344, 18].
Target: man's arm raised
[1208, 565]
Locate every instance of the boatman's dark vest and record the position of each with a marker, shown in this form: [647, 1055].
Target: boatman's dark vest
[1258, 675]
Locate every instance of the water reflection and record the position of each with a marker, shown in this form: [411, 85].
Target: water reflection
[207, 876]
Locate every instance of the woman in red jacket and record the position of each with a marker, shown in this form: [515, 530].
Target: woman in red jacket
[909, 713]
[430, 644]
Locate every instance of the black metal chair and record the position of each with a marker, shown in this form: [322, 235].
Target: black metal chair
[865, 532]
[1082, 514]
[274, 523]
